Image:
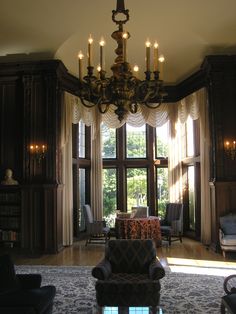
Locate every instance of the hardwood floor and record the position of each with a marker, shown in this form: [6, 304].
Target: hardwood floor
[190, 252]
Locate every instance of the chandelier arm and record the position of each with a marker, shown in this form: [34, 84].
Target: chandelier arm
[100, 107]
[133, 107]
[87, 106]
[152, 107]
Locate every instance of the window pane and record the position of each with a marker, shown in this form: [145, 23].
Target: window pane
[109, 196]
[81, 140]
[190, 148]
[191, 198]
[108, 142]
[82, 185]
[162, 141]
[135, 141]
[162, 190]
[136, 187]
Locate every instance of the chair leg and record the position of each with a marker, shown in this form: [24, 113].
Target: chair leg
[222, 308]
[169, 239]
[180, 237]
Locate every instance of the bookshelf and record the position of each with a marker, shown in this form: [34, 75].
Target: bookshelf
[10, 216]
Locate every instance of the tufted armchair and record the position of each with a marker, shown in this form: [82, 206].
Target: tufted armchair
[227, 233]
[129, 274]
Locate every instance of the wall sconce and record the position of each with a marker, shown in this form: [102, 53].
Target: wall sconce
[38, 151]
[230, 149]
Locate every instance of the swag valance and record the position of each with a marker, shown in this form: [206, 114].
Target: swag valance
[189, 106]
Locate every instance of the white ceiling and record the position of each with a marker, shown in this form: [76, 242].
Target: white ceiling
[186, 30]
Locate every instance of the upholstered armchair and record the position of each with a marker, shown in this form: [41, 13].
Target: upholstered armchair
[97, 231]
[227, 233]
[129, 274]
[228, 301]
[22, 293]
[172, 225]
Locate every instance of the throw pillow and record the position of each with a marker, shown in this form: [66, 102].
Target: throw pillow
[8, 279]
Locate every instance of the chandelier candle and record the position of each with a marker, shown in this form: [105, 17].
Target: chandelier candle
[155, 57]
[161, 69]
[125, 37]
[80, 57]
[102, 44]
[90, 41]
[148, 52]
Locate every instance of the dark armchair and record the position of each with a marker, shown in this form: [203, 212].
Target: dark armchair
[228, 301]
[171, 226]
[97, 231]
[22, 293]
[129, 274]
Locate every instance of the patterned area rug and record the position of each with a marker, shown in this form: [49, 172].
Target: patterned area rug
[180, 292]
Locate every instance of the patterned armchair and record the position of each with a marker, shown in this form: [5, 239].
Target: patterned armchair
[172, 225]
[129, 274]
[97, 231]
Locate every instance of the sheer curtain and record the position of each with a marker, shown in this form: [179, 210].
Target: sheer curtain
[66, 147]
[194, 105]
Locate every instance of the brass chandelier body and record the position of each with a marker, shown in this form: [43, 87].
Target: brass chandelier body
[122, 89]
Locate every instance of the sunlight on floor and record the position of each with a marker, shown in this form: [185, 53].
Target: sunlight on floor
[194, 266]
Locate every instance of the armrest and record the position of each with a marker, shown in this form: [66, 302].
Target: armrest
[103, 270]
[95, 227]
[156, 270]
[230, 287]
[221, 234]
[17, 310]
[29, 281]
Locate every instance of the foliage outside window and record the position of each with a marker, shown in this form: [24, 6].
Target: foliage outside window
[136, 187]
[136, 142]
[162, 141]
[162, 190]
[108, 142]
[109, 195]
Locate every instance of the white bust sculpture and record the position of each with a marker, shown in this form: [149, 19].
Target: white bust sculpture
[8, 178]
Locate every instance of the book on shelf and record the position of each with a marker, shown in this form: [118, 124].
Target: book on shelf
[9, 235]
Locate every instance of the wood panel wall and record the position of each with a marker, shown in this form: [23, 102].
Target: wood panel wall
[30, 113]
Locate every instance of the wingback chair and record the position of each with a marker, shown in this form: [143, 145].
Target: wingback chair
[171, 226]
[96, 230]
[129, 274]
[227, 233]
[22, 293]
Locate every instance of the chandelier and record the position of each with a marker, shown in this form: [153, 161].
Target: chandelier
[123, 89]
